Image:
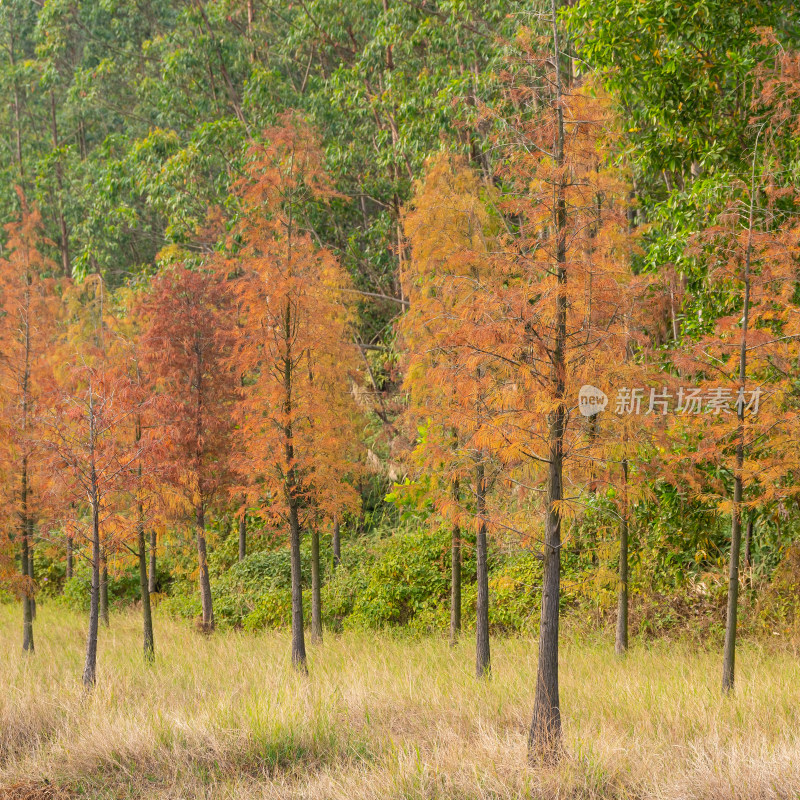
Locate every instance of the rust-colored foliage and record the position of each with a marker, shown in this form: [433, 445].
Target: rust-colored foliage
[295, 349]
[27, 317]
[294, 352]
[187, 340]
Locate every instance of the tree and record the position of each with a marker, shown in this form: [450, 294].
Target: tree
[294, 351]
[450, 234]
[187, 340]
[733, 445]
[27, 317]
[550, 316]
[144, 486]
[89, 460]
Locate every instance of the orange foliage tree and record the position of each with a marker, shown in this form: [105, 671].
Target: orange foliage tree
[527, 300]
[186, 342]
[294, 351]
[734, 445]
[89, 459]
[27, 317]
[450, 288]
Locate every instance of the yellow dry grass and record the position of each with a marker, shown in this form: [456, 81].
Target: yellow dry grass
[381, 717]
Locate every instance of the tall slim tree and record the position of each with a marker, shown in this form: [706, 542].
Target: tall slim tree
[27, 317]
[187, 341]
[449, 277]
[295, 351]
[90, 459]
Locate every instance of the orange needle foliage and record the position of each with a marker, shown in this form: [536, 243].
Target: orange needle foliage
[294, 349]
[27, 317]
[186, 345]
[83, 431]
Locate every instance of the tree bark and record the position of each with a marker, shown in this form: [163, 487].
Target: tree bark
[455, 579]
[205, 580]
[316, 596]
[544, 739]
[27, 611]
[151, 579]
[104, 587]
[31, 572]
[290, 489]
[66, 264]
[298, 637]
[482, 653]
[144, 589]
[242, 536]
[748, 544]
[337, 544]
[90, 667]
[729, 654]
[621, 642]
[69, 557]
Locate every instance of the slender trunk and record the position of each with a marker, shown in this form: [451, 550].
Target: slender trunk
[729, 657]
[544, 740]
[298, 637]
[66, 265]
[482, 654]
[205, 580]
[31, 573]
[242, 536]
[729, 654]
[455, 579]
[90, 668]
[748, 545]
[151, 579]
[337, 545]
[290, 488]
[144, 589]
[621, 643]
[27, 611]
[69, 557]
[17, 117]
[316, 597]
[104, 587]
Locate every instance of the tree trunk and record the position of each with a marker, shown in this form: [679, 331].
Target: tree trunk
[482, 654]
[544, 739]
[729, 654]
[621, 643]
[90, 668]
[729, 657]
[144, 589]
[104, 588]
[31, 573]
[455, 586]
[316, 596]
[69, 557]
[66, 265]
[298, 637]
[455, 579]
[748, 544]
[242, 536]
[151, 580]
[205, 580]
[290, 489]
[337, 545]
[27, 611]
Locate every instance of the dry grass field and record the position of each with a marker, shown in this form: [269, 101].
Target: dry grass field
[381, 718]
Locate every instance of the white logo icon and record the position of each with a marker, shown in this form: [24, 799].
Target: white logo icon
[591, 400]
